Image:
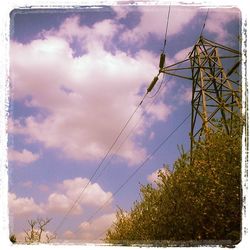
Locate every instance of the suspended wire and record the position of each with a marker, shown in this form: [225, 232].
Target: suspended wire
[164, 141]
[135, 171]
[115, 141]
[154, 95]
[131, 131]
[204, 24]
[119, 147]
[98, 167]
[125, 139]
[166, 31]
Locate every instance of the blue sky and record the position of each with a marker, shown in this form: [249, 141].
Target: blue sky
[76, 77]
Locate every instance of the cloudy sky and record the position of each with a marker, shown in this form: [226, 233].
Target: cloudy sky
[76, 77]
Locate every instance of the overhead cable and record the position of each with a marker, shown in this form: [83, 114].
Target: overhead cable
[204, 24]
[133, 129]
[151, 86]
[98, 167]
[166, 31]
[136, 170]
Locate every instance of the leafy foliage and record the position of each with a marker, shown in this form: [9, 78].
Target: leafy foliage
[198, 202]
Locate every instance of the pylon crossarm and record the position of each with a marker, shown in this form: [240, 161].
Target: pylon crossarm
[170, 69]
[180, 76]
[214, 44]
[174, 69]
[178, 63]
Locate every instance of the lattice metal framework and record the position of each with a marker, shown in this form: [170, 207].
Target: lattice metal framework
[216, 85]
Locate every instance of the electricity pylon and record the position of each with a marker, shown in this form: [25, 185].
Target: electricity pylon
[214, 70]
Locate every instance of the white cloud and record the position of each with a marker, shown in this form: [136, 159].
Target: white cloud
[93, 195]
[64, 197]
[183, 95]
[153, 21]
[154, 176]
[69, 194]
[88, 98]
[159, 111]
[217, 20]
[23, 206]
[95, 230]
[60, 203]
[182, 54]
[121, 11]
[89, 39]
[22, 158]
[181, 17]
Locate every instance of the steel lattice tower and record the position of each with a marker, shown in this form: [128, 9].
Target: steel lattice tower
[216, 86]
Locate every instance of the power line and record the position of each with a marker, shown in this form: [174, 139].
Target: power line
[204, 24]
[136, 170]
[166, 31]
[98, 167]
[132, 130]
[118, 136]
[164, 141]
[151, 86]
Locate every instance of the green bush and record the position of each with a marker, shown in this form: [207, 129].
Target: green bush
[198, 202]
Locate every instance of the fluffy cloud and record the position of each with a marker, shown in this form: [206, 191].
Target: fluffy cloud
[94, 195]
[20, 206]
[216, 22]
[182, 55]
[93, 231]
[84, 93]
[157, 27]
[60, 203]
[88, 38]
[218, 19]
[70, 190]
[121, 11]
[154, 176]
[22, 158]
[62, 199]
[84, 100]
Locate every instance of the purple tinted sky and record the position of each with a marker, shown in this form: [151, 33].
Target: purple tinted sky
[76, 77]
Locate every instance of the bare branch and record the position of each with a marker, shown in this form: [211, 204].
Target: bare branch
[37, 228]
[50, 237]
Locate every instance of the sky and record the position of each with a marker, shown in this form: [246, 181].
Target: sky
[76, 76]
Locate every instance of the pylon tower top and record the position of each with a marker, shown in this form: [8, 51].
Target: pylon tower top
[214, 70]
